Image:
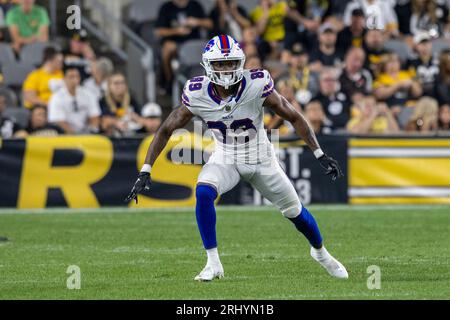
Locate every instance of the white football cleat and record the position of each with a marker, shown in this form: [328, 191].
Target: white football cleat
[334, 267]
[210, 273]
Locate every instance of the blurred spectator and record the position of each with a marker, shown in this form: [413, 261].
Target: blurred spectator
[428, 15]
[395, 86]
[249, 41]
[121, 114]
[97, 84]
[442, 85]
[444, 118]
[403, 10]
[151, 117]
[370, 117]
[355, 80]
[43, 82]
[424, 66]
[229, 18]
[27, 23]
[316, 118]
[79, 46]
[268, 18]
[301, 24]
[8, 127]
[304, 81]
[253, 62]
[178, 21]
[425, 116]
[39, 126]
[72, 107]
[379, 14]
[374, 48]
[79, 52]
[326, 54]
[335, 103]
[353, 34]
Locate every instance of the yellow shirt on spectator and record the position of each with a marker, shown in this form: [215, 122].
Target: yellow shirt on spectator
[275, 24]
[401, 97]
[43, 83]
[385, 79]
[379, 125]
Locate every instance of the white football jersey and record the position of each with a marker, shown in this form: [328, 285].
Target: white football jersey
[237, 123]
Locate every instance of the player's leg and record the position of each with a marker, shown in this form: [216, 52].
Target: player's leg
[272, 182]
[214, 179]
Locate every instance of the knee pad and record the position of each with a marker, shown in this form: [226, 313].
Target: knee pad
[205, 192]
[291, 209]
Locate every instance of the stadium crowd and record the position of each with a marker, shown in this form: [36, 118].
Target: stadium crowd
[330, 59]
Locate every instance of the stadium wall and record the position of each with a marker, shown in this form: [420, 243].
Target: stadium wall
[95, 171]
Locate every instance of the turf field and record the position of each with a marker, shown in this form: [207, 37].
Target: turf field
[154, 254]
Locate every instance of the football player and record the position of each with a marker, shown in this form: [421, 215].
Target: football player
[230, 101]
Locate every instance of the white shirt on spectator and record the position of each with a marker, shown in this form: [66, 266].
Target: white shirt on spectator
[75, 110]
[378, 14]
[96, 90]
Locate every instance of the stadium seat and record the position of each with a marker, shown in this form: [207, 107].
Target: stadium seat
[400, 48]
[190, 56]
[16, 73]
[143, 10]
[248, 5]
[6, 54]
[10, 96]
[33, 53]
[20, 115]
[190, 53]
[440, 45]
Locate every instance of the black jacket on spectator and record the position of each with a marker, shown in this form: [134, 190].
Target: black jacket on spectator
[346, 39]
[442, 92]
[337, 109]
[49, 130]
[171, 16]
[362, 83]
[426, 73]
[106, 111]
[332, 60]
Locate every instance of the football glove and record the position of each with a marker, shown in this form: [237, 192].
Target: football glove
[142, 183]
[331, 167]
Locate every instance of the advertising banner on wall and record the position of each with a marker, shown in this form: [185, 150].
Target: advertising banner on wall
[399, 171]
[95, 171]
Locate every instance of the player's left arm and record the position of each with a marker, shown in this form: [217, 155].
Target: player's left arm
[285, 110]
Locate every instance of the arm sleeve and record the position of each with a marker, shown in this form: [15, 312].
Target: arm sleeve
[45, 20]
[199, 11]
[268, 85]
[187, 98]
[10, 18]
[94, 107]
[163, 18]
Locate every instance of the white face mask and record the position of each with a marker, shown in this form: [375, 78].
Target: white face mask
[225, 78]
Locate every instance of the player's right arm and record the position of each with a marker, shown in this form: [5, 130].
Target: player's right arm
[178, 118]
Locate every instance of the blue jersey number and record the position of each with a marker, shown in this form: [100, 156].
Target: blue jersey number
[234, 132]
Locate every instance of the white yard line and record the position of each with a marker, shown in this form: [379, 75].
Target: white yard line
[223, 208]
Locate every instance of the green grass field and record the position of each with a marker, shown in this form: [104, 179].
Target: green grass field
[154, 254]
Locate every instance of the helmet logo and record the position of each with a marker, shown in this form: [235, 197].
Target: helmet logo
[209, 45]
